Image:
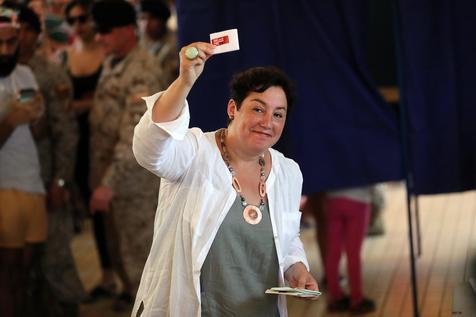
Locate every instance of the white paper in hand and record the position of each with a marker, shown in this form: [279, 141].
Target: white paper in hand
[297, 292]
[225, 41]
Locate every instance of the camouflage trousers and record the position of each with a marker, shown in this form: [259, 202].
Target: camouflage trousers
[130, 229]
[58, 263]
[54, 288]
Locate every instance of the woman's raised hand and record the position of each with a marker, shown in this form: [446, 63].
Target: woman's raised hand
[169, 106]
[192, 60]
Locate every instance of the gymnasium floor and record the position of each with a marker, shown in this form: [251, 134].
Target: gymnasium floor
[448, 226]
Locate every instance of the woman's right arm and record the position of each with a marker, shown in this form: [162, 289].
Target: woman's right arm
[162, 142]
[169, 106]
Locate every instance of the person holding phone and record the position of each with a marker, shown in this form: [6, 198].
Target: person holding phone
[56, 136]
[23, 218]
[27, 94]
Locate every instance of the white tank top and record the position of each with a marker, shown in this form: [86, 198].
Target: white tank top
[19, 163]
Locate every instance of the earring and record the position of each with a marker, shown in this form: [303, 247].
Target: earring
[231, 118]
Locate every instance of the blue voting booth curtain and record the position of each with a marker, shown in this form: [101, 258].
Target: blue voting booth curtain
[341, 132]
[438, 55]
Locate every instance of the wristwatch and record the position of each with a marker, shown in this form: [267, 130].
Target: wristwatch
[60, 182]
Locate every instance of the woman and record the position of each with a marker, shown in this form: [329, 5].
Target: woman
[83, 61]
[227, 224]
[85, 56]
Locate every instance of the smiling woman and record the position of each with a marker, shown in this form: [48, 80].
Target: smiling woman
[259, 120]
[227, 226]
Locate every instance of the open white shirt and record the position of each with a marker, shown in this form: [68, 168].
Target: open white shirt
[195, 196]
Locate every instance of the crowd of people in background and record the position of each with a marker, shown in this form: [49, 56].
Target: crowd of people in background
[66, 155]
[66, 152]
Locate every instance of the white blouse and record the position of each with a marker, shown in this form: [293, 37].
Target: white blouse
[195, 196]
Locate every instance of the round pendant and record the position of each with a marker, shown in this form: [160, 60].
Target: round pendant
[252, 214]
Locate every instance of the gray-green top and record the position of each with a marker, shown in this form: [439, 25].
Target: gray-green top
[241, 264]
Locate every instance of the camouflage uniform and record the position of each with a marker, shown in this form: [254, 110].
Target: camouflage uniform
[166, 55]
[56, 138]
[117, 108]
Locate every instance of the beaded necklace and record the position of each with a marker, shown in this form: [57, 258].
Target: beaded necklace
[251, 213]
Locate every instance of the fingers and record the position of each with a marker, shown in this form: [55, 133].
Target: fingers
[192, 61]
[35, 106]
[205, 50]
[298, 277]
[97, 205]
[301, 282]
[312, 284]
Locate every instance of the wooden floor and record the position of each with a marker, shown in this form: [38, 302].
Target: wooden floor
[448, 227]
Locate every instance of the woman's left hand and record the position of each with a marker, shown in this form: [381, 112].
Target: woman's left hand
[298, 277]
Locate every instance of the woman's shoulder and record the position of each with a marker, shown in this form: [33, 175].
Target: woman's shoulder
[284, 164]
[285, 173]
[281, 159]
[205, 141]
[207, 138]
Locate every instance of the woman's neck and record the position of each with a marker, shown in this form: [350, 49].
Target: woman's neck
[89, 45]
[237, 154]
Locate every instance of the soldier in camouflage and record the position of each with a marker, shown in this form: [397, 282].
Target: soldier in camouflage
[158, 39]
[120, 186]
[56, 138]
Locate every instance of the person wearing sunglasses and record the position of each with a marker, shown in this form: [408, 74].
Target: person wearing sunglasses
[81, 19]
[129, 73]
[83, 62]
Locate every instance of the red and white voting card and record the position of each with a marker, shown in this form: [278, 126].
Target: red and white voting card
[225, 41]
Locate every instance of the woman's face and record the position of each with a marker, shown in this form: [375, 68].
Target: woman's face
[260, 121]
[81, 23]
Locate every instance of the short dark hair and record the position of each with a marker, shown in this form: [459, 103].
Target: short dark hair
[28, 16]
[156, 8]
[258, 79]
[84, 4]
